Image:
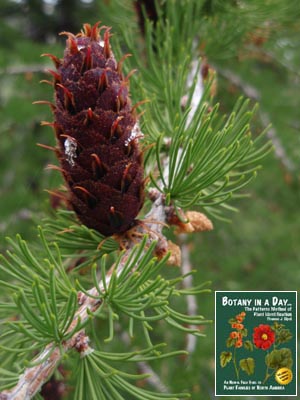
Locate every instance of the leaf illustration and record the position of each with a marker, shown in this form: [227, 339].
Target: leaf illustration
[247, 365]
[244, 332]
[279, 358]
[225, 358]
[248, 345]
[230, 342]
[283, 335]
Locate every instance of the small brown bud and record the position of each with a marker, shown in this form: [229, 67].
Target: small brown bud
[185, 228]
[209, 74]
[199, 221]
[175, 254]
[163, 247]
[190, 221]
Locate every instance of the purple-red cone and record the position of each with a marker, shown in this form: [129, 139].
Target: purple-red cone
[97, 133]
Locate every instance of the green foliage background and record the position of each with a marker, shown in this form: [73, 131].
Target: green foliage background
[260, 248]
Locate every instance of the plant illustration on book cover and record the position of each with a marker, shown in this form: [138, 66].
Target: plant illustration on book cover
[269, 339]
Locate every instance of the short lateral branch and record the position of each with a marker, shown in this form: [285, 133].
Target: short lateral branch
[31, 381]
[34, 377]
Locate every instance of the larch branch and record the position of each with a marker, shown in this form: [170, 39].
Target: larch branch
[48, 360]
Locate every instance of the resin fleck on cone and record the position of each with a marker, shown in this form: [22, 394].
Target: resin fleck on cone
[97, 133]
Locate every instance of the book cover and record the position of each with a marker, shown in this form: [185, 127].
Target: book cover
[256, 343]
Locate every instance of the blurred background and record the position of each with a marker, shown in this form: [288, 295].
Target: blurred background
[255, 50]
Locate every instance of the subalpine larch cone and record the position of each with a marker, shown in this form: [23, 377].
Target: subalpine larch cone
[97, 133]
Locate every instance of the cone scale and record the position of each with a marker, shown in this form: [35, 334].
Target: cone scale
[97, 134]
